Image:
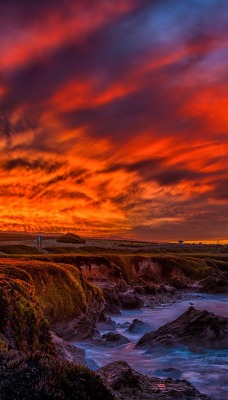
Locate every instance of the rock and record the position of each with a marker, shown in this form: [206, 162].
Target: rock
[70, 238]
[179, 283]
[139, 326]
[194, 328]
[38, 376]
[130, 300]
[112, 303]
[106, 323]
[113, 339]
[214, 284]
[83, 326]
[69, 351]
[127, 384]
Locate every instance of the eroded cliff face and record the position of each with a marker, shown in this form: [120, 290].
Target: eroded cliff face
[32, 364]
[125, 279]
[58, 292]
[73, 295]
[69, 295]
[23, 325]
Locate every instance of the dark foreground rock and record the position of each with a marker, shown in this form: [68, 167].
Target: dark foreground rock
[194, 328]
[43, 377]
[127, 384]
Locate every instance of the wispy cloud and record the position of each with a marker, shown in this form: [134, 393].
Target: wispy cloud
[113, 117]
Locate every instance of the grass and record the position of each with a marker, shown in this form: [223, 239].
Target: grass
[58, 288]
[22, 323]
[64, 250]
[62, 292]
[19, 249]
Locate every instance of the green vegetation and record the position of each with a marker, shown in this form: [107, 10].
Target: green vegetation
[22, 323]
[59, 289]
[35, 286]
[62, 292]
[42, 377]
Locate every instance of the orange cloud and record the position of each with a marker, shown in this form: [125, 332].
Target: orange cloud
[113, 122]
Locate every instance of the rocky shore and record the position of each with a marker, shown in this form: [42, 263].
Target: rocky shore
[57, 303]
[127, 384]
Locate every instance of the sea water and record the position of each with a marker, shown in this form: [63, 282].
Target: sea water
[207, 371]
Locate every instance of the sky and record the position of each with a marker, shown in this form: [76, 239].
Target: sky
[114, 118]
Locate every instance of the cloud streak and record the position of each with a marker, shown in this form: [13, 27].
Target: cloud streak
[113, 117]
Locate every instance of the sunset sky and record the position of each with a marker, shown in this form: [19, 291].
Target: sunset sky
[114, 117]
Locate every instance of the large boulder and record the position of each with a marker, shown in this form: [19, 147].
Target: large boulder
[127, 384]
[194, 328]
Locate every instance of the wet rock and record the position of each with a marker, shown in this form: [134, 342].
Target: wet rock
[130, 300]
[69, 351]
[139, 326]
[214, 284]
[113, 339]
[127, 384]
[194, 328]
[106, 323]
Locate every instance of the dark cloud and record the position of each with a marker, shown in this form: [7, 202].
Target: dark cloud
[66, 195]
[21, 163]
[220, 191]
[155, 65]
[157, 169]
[206, 224]
[5, 128]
